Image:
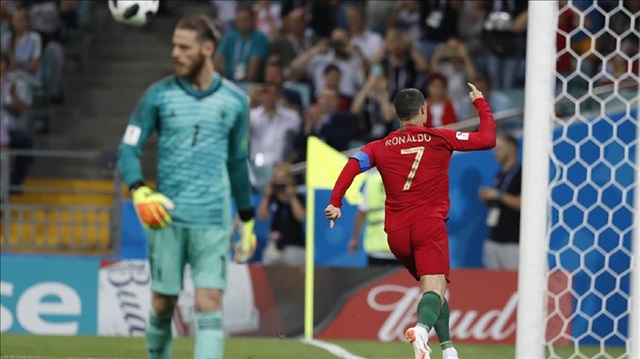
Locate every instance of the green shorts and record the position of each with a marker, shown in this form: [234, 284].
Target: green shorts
[206, 249]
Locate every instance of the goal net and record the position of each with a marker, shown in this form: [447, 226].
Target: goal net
[593, 172]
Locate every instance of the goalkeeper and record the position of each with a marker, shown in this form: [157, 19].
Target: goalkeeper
[202, 125]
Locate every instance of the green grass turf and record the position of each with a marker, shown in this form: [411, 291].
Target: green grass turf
[400, 350]
[34, 347]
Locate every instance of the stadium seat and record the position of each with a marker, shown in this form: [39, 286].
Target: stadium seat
[74, 219]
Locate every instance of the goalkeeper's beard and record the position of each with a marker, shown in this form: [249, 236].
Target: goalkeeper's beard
[196, 69]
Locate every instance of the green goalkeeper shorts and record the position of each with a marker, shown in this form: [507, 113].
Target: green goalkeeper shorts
[206, 249]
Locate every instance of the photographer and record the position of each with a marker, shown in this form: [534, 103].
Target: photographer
[285, 207]
[452, 60]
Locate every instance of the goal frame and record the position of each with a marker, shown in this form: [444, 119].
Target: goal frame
[535, 215]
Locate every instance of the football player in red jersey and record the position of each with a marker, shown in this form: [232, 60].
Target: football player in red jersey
[414, 164]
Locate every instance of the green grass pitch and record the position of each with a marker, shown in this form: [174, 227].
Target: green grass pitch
[81, 347]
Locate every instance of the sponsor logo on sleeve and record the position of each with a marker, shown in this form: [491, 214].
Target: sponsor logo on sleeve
[132, 135]
[462, 136]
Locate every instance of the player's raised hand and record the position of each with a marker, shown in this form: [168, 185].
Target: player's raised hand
[332, 213]
[474, 94]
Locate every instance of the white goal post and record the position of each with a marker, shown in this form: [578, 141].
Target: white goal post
[538, 111]
[580, 187]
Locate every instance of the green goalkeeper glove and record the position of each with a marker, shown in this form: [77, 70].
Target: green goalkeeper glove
[245, 248]
[152, 207]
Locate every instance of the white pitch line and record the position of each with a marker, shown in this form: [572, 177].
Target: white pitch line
[334, 349]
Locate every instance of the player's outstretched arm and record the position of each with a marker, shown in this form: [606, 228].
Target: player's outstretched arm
[484, 138]
[349, 172]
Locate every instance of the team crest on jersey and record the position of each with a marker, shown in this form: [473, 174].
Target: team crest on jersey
[462, 136]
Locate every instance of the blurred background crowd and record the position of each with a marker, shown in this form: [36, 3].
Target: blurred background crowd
[71, 76]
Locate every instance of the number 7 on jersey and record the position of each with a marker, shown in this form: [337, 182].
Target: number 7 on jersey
[419, 151]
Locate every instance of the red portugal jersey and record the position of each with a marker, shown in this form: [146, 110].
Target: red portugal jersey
[414, 164]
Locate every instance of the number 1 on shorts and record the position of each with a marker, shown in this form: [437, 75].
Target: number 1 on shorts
[416, 162]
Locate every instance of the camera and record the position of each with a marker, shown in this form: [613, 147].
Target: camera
[279, 187]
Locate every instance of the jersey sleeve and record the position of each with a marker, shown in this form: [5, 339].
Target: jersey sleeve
[365, 158]
[360, 162]
[238, 164]
[483, 139]
[143, 121]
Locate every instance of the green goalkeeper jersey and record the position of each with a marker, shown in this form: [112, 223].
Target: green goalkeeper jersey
[203, 148]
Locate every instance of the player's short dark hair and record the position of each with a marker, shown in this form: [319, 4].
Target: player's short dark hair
[203, 25]
[407, 103]
[510, 140]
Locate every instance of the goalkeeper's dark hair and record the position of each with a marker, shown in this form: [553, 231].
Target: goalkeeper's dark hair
[206, 28]
[407, 103]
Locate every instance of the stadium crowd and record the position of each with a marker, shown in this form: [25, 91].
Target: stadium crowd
[331, 68]
[36, 41]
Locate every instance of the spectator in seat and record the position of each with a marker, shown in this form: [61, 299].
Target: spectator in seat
[272, 129]
[339, 52]
[373, 107]
[16, 97]
[505, 38]
[470, 24]
[366, 42]
[285, 207]
[225, 13]
[452, 60]
[14, 102]
[268, 20]
[295, 39]
[406, 18]
[332, 79]
[23, 46]
[242, 51]
[440, 110]
[325, 121]
[439, 23]
[274, 75]
[46, 18]
[501, 249]
[377, 14]
[401, 61]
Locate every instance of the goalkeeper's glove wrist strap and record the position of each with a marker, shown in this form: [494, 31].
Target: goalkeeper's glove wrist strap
[246, 214]
[135, 185]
